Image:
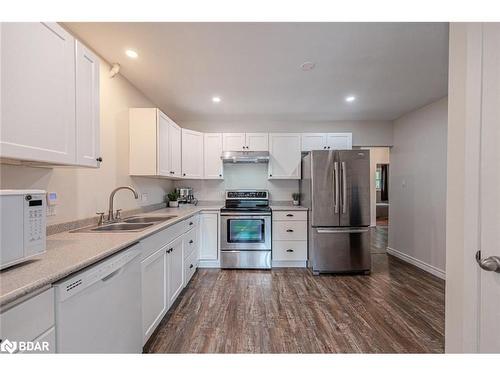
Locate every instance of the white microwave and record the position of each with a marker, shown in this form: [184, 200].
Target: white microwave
[22, 225]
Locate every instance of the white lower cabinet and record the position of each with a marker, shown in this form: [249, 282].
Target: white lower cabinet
[209, 241]
[154, 291]
[289, 238]
[175, 269]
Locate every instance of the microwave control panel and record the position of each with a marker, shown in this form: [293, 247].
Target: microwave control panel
[34, 224]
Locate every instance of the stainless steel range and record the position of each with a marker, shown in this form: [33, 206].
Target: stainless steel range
[246, 230]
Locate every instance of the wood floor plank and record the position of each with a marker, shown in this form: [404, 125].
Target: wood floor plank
[398, 308]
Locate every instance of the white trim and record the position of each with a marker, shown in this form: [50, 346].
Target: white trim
[289, 263]
[417, 262]
[208, 264]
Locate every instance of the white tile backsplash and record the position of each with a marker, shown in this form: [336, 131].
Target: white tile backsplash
[242, 176]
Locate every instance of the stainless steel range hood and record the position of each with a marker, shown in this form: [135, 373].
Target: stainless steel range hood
[245, 157]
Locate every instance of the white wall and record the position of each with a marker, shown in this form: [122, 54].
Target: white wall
[82, 192]
[378, 155]
[242, 176]
[417, 186]
[364, 133]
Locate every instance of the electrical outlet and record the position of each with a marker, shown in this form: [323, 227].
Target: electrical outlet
[144, 197]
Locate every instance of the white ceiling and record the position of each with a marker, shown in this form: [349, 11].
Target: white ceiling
[392, 68]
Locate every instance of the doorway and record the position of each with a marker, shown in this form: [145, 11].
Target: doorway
[382, 195]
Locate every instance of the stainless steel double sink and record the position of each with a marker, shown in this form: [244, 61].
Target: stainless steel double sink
[131, 224]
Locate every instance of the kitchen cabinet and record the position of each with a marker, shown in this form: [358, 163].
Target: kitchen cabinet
[175, 270]
[289, 238]
[326, 141]
[209, 230]
[154, 291]
[212, 149]
[284, 155]
[87, 106]
[155, 144]
[49, 96]
[245, 141]
[192, 154]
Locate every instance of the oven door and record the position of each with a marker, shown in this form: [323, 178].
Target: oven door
[245, 232]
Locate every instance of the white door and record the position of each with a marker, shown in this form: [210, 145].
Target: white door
[285, 156]
[163, 154]
[489, 310]
[212, 146]
[209, 249]
[339, 141]
[313, 141]
[87, 107]
[192, 154]
[233, 141]
[257, 141]
[37, 93]
[154, 291]
[175, 269]
[175, 149]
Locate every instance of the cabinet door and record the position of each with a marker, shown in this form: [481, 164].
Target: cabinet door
[212, 155]
[233, 141]
[285, 156]
[192, 154]
[87, 107]
[257, 141]
[313, 141]
[154, 291]
[175, 269]
[37, 93]
[163, 154]
[209, 228]
[174, 142]
[339, 141]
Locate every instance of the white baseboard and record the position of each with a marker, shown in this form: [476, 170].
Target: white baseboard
[417, 262]
[209, 264]
[289, 263]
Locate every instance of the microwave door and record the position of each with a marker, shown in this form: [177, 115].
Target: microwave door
[325, 194]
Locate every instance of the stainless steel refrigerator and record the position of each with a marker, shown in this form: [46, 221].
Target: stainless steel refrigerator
[335, 186]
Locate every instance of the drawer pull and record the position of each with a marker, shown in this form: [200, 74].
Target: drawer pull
[191, 241]
[289, 215]
[289, 230]
[191, 266]
[289, 251]
[170, 250]
[190, 223]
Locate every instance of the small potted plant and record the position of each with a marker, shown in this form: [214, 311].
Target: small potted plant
[173, 199]
[295, 197]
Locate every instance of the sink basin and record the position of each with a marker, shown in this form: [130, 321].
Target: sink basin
[121, 227]
[148, 219]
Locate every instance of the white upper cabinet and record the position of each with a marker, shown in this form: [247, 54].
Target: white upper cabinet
[212, 147]
[233, 141]
[326, 141]
[49, 96]
[285, 155]
[155, 144]
[314, 141]
[257, 141]
[87, 106]
[37, 93]
[192, 154]
[245, 141]
[339, 141]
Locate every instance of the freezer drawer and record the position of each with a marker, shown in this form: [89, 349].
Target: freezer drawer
[340, 250]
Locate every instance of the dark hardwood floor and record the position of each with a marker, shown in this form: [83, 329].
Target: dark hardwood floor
[396, 309]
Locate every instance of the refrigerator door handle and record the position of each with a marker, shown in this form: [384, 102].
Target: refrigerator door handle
[344, 187]
[336, 187]
[342, 230]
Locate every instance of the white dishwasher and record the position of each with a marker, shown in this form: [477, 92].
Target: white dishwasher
[98, 310]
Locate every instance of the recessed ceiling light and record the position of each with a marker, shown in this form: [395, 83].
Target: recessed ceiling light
[350, 98]
[308, 65]
[131, 53]
[216, 99]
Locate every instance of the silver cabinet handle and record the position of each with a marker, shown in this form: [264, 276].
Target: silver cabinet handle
[336, 187]
[491, 263]
[344, 187]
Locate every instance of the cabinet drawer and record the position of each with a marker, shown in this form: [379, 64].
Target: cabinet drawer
[289, 250]
[191, 222]
[29, 319]
[190, 266]
[290, 230]
[191, 242]
[156, 241]
[290, 215]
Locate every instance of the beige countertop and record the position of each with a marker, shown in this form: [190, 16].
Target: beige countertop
[287, 208]
[70, 252]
